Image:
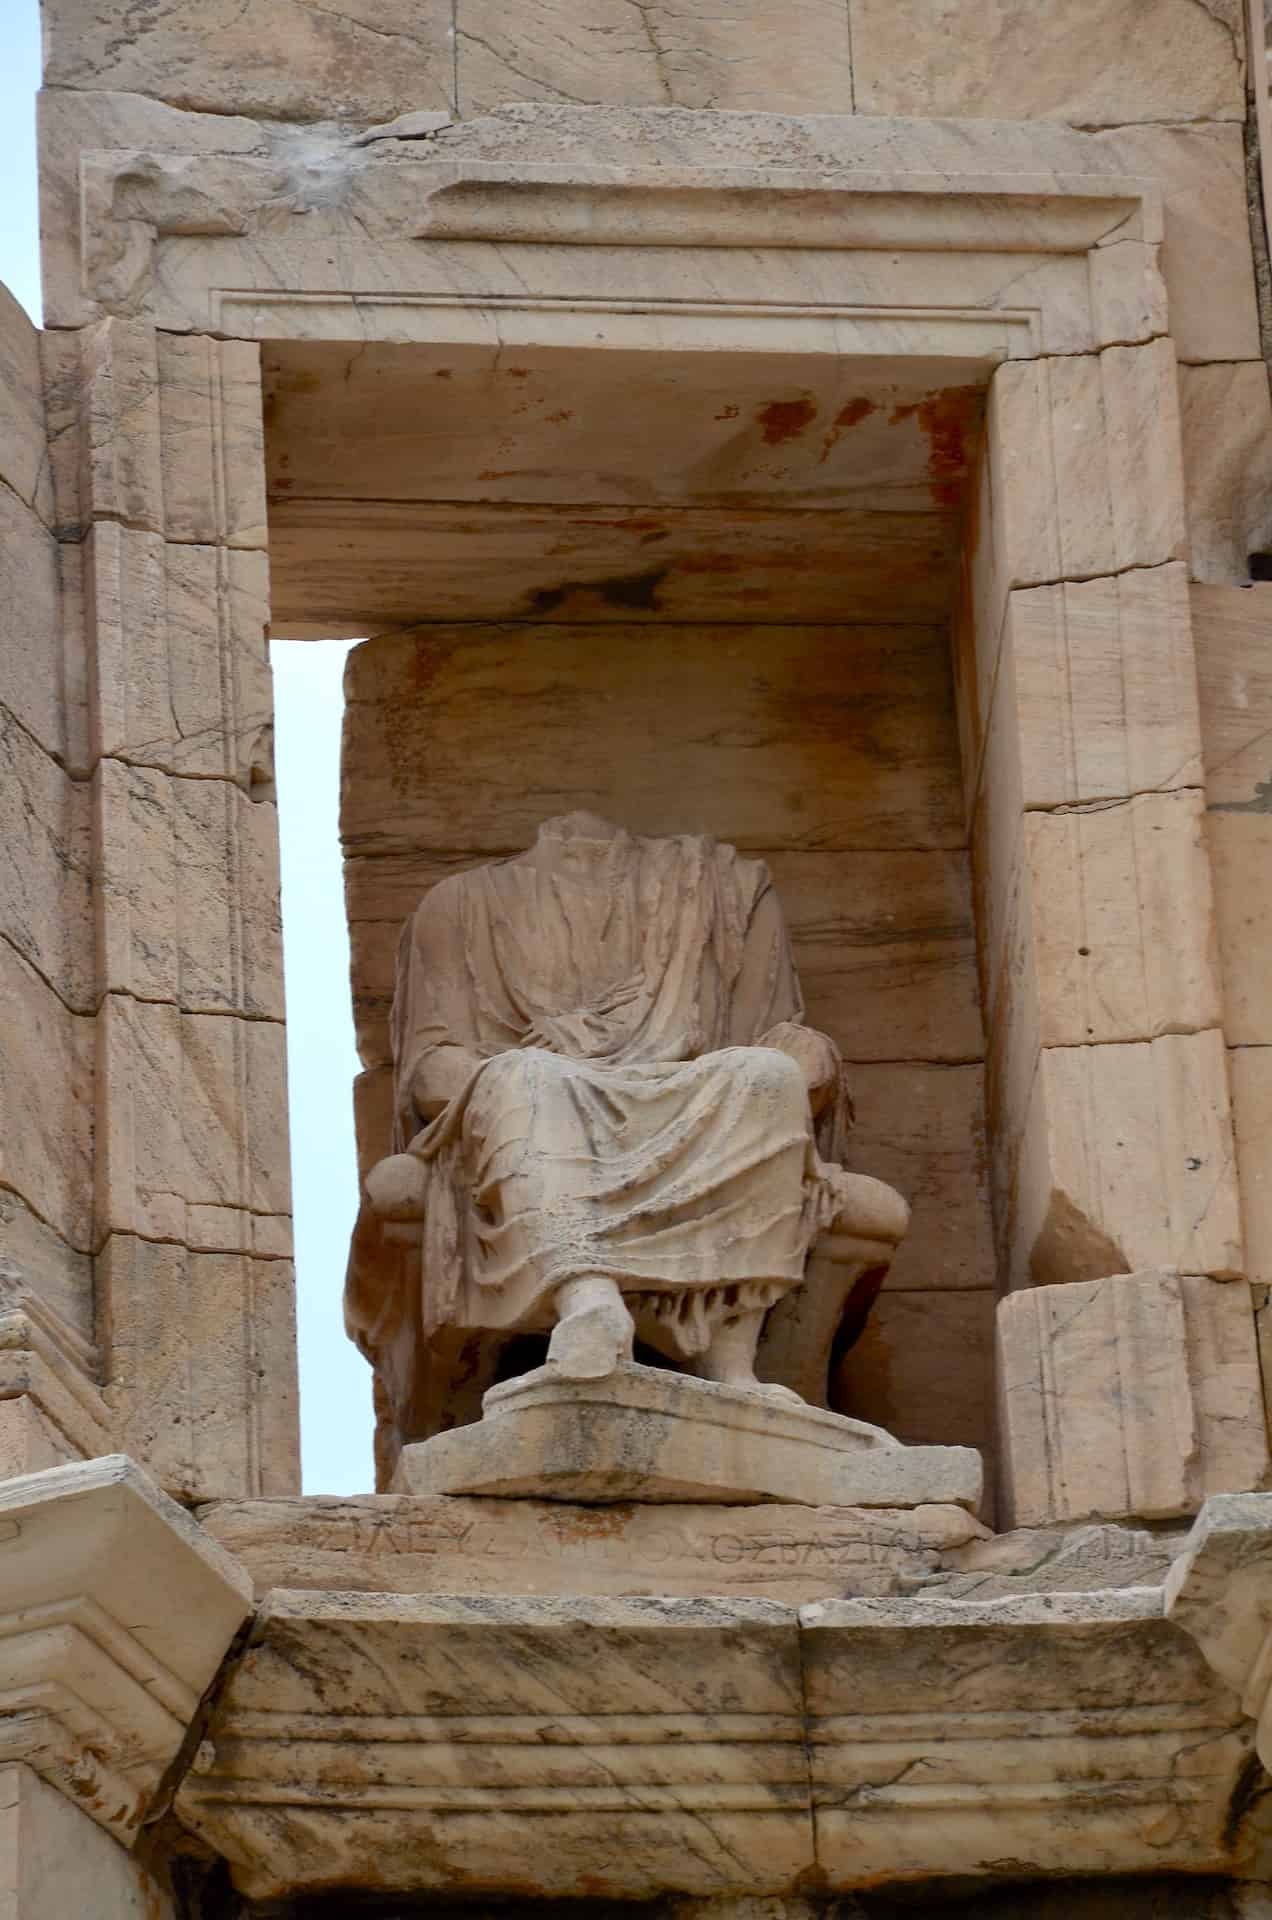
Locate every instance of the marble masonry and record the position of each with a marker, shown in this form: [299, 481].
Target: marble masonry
[800, 485]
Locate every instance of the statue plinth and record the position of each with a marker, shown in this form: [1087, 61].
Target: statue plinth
[645, 1434]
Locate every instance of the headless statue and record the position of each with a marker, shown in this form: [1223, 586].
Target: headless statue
[610, 1117]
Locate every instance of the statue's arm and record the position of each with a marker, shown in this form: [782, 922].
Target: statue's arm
[768, 1008]
[439, 1075]
[433, 1037]
[815, 1054]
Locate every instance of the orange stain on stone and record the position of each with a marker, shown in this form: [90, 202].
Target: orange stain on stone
[851, 414]
[949, 419]
[785, 419]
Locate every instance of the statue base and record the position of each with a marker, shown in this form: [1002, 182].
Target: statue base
[643, 1434]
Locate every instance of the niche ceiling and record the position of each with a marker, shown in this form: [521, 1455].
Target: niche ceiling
[410, 483]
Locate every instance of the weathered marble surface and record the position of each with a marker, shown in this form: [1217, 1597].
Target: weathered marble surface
[1251, 1071]
[882, 774]
[645, 1434]
[618, 52]
[1226, 416]
[118, 1610]
[346, 60]
[1104, 916]
[629, 1747]
[1102, 66]
[55, 1860]
[1125, 1161]
[1064, 1559]
[942, 1728]
[401, 1543]
[1130, 1397]
[24, 456]
[1093, 63]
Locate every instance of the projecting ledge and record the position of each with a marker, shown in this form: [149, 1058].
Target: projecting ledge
[631, 1747]
[116, 1611]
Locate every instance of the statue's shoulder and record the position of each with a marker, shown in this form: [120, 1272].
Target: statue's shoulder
[447, 896]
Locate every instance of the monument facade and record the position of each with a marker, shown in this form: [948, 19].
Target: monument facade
[802, 487]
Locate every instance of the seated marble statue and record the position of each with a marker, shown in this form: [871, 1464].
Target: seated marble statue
[608, 1107]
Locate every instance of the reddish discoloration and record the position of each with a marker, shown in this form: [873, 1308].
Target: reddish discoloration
[851, 414]
[786, 419]
[950, 420]
[562, 414]
[728, 413]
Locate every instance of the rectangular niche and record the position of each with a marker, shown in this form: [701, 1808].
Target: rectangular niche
[696, 593]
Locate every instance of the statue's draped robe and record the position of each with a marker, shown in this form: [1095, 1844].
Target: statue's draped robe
[625, 1117]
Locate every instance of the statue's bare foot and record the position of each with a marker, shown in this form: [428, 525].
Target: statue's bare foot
[595, 1332]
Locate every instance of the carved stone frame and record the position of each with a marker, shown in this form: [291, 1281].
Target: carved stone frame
[1045, 286]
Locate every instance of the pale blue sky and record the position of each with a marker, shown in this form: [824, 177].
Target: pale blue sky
[335, 1381]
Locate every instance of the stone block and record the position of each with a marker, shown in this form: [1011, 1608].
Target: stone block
[212, 440]
[404, 1543]
[922, 1129]
[1233, 627]
[353, 568]
[1124, 1161]
[160, 431]
[48, 1379]
[228, 1425]
[938, 1726]
[28, 1442]
[1130, 1397]
[186, 873]
[839, 738]
[36, 677]
[24, 455]
[1240, 846]
[46, 1088]
[180, 666]
[118, 1612]
[1069, 441]
[1105, 916]
[618, 53]
[1094, 64]
[56, 1860]
[924, 1368]
[191, 1114]
[345, 61]
[1096, 694]
[1217, 1592]
[1206, 257]
[114, 408]
[643, 1433]
[1251, 1071]
[45, 856]
[676, 1756]
[1061, 1559]
[37, 1257]
[70, 123]
[1226, 417]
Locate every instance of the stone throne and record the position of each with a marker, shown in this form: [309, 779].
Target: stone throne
[612, 1126]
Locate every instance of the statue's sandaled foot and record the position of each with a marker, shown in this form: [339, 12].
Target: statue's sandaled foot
[595, 1332]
